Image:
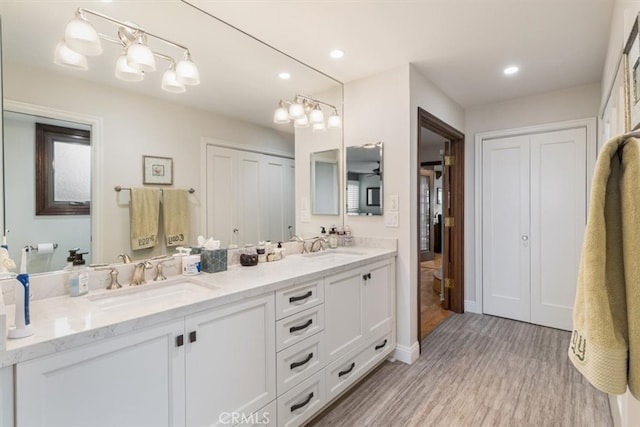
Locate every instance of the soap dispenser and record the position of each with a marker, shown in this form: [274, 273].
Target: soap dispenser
[70, 259]
[333, 238]
[79, 277]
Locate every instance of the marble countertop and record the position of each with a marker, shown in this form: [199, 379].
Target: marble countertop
[64, 322]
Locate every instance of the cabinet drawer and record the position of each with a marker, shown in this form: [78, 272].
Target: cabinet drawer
[295, 328]
[302, 402]
[299, 362]
[298, 298]
[347, 370]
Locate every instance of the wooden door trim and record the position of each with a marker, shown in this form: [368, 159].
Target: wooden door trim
[454, 299]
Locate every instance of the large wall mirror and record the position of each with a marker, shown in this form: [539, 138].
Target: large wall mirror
[233, 104]
[364, 179]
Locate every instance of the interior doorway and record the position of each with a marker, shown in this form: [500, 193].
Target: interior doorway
[440, 234]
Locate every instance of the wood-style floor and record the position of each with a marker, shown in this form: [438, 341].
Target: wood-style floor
[476, 371]
[431, 311]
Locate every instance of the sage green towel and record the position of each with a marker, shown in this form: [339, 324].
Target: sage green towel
[605, 344]
[175, 213]
[144, 210]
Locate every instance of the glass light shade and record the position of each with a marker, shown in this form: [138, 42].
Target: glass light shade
[170, 83]
[140, 56]
[187, 72]
[318, 127]
[281, 115]
[334, 121]
[296, 110]
[82, 37]
[301, 122]
[69, 58]
[125, 72]
[316, 116]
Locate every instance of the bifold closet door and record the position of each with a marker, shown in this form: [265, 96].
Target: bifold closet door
[558, 218]
[534, 214]
[505, 227]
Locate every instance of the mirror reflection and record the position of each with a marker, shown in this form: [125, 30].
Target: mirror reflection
[233, 104]
[364, 179]
[325, 182]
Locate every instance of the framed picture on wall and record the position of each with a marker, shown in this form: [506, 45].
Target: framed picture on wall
[373, 196]
[157, 170]
[631, 63]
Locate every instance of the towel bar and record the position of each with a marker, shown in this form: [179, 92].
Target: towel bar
[119, 188]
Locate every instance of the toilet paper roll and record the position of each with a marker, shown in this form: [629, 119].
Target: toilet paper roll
[45, 248]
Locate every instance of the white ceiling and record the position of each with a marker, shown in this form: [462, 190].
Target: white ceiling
[460, 45]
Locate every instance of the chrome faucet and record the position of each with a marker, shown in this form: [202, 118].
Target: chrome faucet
[126, 259]
[321, 241]
[138, 276]
[159, 267]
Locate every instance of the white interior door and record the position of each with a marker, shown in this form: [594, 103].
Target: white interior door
[558, 217]
[505, 227]
[221, 192]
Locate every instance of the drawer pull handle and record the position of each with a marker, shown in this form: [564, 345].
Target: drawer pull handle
[301, 297]
[301, 327]
[179, 340]
[192, 336]
[347, 371]
[302, 404]
[378, 347]
[295, 365]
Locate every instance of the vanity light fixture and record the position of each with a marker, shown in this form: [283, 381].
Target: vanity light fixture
[306, 111]
[81, 40]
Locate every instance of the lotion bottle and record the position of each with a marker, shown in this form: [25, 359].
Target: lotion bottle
[79, 277]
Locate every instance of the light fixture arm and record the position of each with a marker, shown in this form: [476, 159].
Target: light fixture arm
[316, 101]
[82, 10]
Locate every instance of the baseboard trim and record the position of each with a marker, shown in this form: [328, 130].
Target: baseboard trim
[472, 306]
[406, 354]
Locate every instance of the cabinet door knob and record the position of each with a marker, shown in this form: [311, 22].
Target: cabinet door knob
[295, 365]
[302, 404]
[364, 277]
[301, 327]
[369, 276]
[301, 297]
[179, 340]
[192, 336]
[347, 371]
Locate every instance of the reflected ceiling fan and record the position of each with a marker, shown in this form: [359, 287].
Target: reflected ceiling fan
[375, 171]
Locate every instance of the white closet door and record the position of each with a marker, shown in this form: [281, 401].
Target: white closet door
[558, 217]
[274, 212]
[250, 191]
[505, 229]
[221, 193]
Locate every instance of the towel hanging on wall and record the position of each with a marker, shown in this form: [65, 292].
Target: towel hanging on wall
[605, 343]
[175, 213]
[144, 211]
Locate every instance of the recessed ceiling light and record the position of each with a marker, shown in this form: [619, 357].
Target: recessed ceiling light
[511, 70]
[336, 53]
[284, 75]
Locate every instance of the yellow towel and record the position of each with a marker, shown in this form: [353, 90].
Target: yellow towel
[175, 211]
[605, 344]
[144, 210]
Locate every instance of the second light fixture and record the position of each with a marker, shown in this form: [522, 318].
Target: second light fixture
[306, 111]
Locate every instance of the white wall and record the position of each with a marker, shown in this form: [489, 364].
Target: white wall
[134, 126]
[562, 105]
[383, 107]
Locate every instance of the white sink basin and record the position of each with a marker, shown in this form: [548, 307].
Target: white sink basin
[156, 295]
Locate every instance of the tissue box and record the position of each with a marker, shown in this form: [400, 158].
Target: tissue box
[213, 261]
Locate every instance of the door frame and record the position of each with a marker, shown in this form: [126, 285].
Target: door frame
[452, 206]
[588, 123]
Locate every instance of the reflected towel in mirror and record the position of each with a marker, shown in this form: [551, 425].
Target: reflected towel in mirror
[144, 211]
[175, 213]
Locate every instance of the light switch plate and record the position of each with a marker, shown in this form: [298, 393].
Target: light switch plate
[391, 219]
[393, 203]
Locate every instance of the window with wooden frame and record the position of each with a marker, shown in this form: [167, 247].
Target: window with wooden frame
[63, 170]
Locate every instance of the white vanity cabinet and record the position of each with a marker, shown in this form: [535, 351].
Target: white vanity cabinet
[6, 396]
[188, 371]
[358, 306]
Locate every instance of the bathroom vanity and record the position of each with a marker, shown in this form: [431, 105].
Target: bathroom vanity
[266, 345]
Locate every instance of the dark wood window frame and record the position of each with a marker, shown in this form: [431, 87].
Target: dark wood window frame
[45, 137]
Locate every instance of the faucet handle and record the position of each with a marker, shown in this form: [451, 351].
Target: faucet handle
[114, 284]
[159, 267]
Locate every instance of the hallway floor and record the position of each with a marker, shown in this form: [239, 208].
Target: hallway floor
[477, 370]
[431, 311]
